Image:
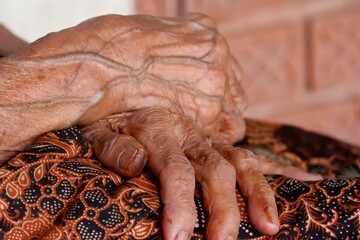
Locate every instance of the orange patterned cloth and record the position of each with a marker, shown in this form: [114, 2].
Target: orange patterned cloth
[56, 189]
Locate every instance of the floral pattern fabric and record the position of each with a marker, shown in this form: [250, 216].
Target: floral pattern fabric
[56, 189]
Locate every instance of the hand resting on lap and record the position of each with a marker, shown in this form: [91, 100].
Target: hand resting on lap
[176, 89]
[180, 155]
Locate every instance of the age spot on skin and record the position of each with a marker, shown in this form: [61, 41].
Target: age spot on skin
[40, 77]
[169, 220]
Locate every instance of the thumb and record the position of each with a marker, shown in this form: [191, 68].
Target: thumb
[120, 153]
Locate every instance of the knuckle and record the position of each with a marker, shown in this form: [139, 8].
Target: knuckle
[243, 159]
[150, 114]
[250, 169]
[117, 121]
[180, 175]
[248, 163]
[176, 161]
[217, 165]
[224, 149]
[244, 153]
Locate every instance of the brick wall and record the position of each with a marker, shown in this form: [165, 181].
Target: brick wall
[301, 58]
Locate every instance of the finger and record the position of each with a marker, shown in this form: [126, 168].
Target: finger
[121, 153]
[253, 185]
[177, 179]
[217, 179]
[270, 167]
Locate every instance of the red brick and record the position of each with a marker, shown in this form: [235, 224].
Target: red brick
[272, 62]
[335, 43]
[168, 8]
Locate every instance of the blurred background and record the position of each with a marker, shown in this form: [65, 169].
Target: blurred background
[34, 19]
[301, 58]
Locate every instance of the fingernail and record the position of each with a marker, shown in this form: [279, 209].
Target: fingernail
[130, 162]
[129, 157]
[139, 155]
[273, 216]
[182, 236]
[229, 238]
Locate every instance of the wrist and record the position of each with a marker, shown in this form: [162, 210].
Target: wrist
[34, 100]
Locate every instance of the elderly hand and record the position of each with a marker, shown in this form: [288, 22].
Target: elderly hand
[180, 155]
[114, 64]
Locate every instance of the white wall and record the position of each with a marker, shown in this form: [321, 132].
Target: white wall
[32, 19]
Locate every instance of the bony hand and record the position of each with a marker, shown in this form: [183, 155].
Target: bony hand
[113, 64]
[180, 155]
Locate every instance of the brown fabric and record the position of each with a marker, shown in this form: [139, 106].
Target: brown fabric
[57, 189]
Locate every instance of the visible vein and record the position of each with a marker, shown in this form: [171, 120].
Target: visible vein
[73, 57]
[42, 104]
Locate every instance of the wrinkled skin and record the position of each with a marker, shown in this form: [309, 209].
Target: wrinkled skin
[116, 64]
[180, 155]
